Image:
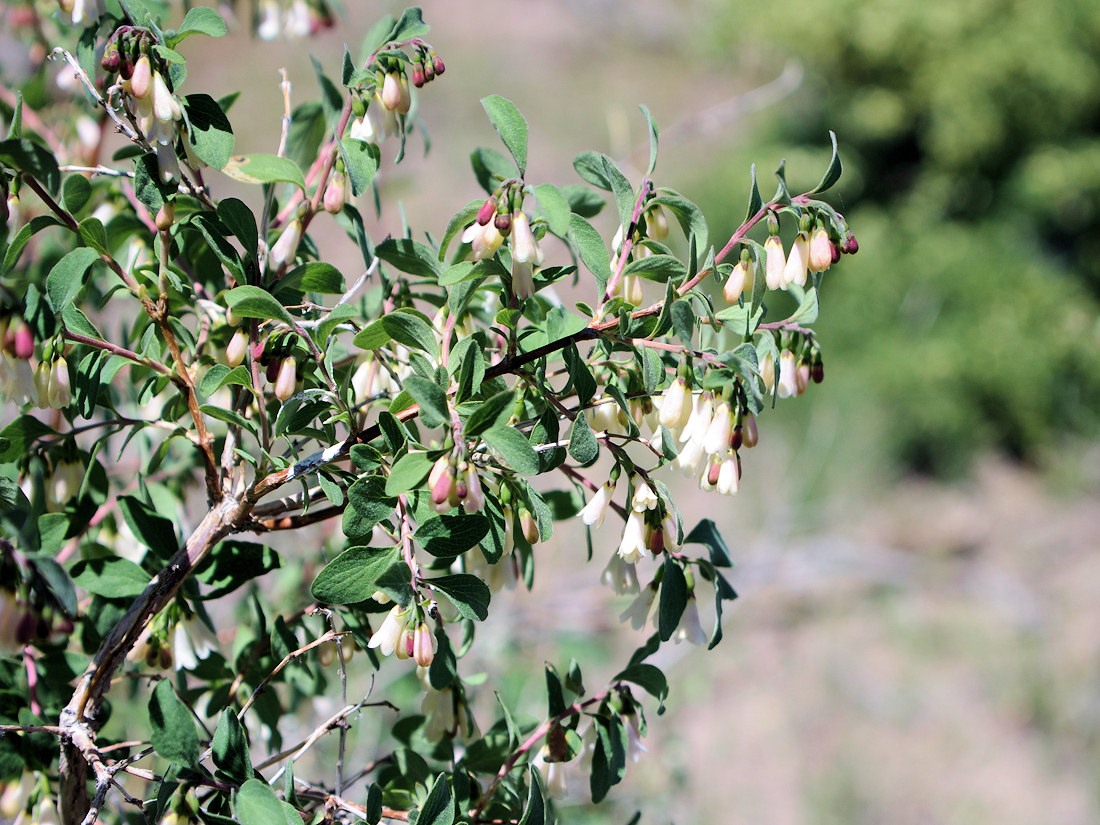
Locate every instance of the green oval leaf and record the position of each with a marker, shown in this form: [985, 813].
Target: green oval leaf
[514, 447]
[352, 576]
[262, 168]
[253, 302]
[173, 731]
[510, 125]
[469, 594]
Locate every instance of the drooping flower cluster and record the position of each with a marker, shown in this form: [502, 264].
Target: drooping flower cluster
[501, 217]
[291, 19]
[406, 633]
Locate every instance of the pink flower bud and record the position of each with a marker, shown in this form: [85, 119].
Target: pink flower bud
[391, 91]
[287, 379]
[529, 526]
[851, 245]
[750, 435]
[474, 499]
[418, 78]
[437, 65]
[802, 377]
[774, 263]
[23, 343]
[788, 368]
[335, 194]
[443, 490]
[237, 348]
[141, 81]
[424, 645]
[487, 210]
[821, 250]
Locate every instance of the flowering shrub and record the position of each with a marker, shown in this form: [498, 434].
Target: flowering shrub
[183, 368]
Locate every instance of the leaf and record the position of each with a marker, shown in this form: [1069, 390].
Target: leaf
[219, 375]
[807, 308]
[234, 563]
[263, 168]
[66, 278]
[352, 576]
[409, 256]
[649, 678]
[535, 811]
[431, 398]
[514, 447]
[590, 247]
[689, 216]
[361, 162]
[554, 207]
[438, 808]
[452, 534]
[756, 203]
[657, 268]
[411, 25]
[25, 233]
[674, 595]
[254, 302]
[112, 578]
[229, 748]
[75, 193]
[652, 140]
[154, 531]
[706, 533]
[368, 504]
[410, 329]
[589, 165]
[621, 188]
[173, 733]
[583, 445]
[832, 174]
[19, 435]
[511, 127]
[490, 168]
[490, 413]
[36, 161]
[240, 221]
[458, 222]
[469, 594]
[683, 321]
[314, 276]
[408, 472]
[200, 20]
[211, 135]
[93, 234]
[255, 803]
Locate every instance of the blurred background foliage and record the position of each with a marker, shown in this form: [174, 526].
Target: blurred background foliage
[971, 139]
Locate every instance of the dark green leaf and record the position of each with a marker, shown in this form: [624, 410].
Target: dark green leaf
[27, 156]
[409, 256]
[469, 594]
[112, 578]
[75, 193]
[583, 445]
[683, 321]
[76, 321]
[200, 20]
[410, 26]
[173, 732]
[452, 534]
[408, 328]
[590, 167]
[690, 218]
[25, 233]
[490, 168]
[254, 302]
[438, 808]
[211, 135]
[20, 434]
[554, 207]
[431, 398]
[756, 203]
[368, 504]
[234, 563]
[511, 127]
[590, 247]
[352, 576]
[535, 811]
[240, 221]
[555, 698]
[153, 530]
[490, 413]
[647, 677]
[706, 533]
[66, 279]
[361, 162]
[621, 189]
[229, 748]
[93, 234]
[656, 268]
[314, 276]
[674, 595]
[832, 174]
[514, 447]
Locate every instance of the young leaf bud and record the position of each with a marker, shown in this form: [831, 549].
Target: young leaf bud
[424, 645]
[166, 215]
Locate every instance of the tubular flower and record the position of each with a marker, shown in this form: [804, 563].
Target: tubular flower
[675, 406]
[788, 368]
[424, 645]
[523, 279]
[729, 475]
[644, 497]
[391, 91]
[798, 262]
[60, 394]
[593, 513]
[524, 246]
[362, 129]
[620, 575]
[484, 240]
[473, 498]
[287, 379]
[717, 437]
[638, 610]
[388, 635]
[774, 263]
[282, 251]
[736, 283]
[699, 421]
[690, 628]
[767, 372]
[633, 547]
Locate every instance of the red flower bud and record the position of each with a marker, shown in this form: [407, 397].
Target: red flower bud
[487, 210]
[437, 64]
[24, 342]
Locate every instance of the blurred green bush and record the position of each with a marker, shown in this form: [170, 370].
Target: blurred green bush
[971, 138]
